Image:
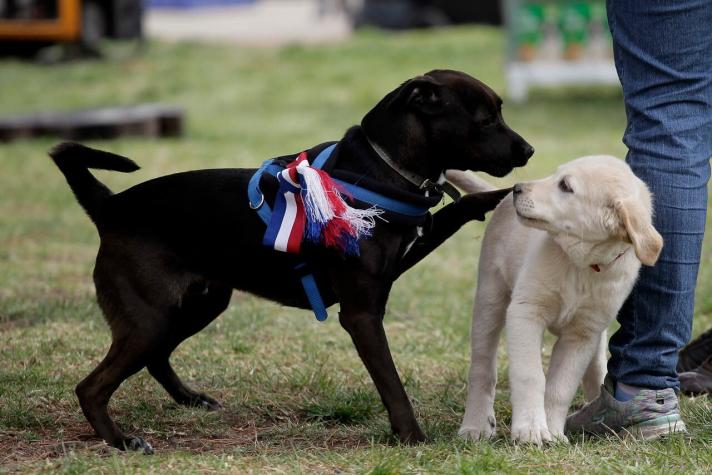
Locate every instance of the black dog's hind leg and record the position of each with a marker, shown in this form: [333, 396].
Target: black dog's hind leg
[361, 316]
[127, 355]
[201, 305]
[448, 221]
[161, 369]
[142, 331]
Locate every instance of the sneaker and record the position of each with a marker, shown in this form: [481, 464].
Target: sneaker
[649, 415]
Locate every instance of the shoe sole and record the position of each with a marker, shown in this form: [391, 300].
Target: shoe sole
[656, 428]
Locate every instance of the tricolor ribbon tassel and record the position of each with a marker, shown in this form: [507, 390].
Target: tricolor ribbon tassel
[311, 207]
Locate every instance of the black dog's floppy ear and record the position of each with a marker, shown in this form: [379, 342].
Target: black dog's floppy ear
[424, 94]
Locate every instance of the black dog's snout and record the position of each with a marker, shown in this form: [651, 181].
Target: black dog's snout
[528, 150]
[517, 189]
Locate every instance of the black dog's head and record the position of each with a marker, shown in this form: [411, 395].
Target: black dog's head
[450, 120]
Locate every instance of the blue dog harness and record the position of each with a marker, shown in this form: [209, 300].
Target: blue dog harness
[257, 202]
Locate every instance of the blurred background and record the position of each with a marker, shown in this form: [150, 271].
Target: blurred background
[550, 33]
[548, 43]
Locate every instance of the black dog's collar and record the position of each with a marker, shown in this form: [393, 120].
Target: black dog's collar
[426, 184]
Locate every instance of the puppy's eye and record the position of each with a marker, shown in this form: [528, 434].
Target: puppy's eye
[564, 186]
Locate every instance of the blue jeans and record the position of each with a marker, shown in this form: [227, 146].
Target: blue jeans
[663, 54]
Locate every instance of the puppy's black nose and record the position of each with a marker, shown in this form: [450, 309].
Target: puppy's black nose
[528, 150]
[517, 189]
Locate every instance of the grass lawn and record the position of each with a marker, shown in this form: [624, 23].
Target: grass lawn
[296, 398]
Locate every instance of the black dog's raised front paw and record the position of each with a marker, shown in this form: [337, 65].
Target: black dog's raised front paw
[475, 206]
[137, 444]
[447, 221]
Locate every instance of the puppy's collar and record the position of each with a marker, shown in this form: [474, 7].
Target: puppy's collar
[598, 267]
[422, 183]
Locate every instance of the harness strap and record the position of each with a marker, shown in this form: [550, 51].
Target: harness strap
[257, 202]
[377, 199]
[254, 193]
[323, 156]
[312, 291]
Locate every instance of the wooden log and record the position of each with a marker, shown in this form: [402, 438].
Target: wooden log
[143, 120]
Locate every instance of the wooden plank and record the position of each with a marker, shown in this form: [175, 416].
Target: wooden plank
[144, 120]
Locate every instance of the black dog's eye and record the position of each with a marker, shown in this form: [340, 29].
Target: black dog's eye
[488, 122]
[564, 186]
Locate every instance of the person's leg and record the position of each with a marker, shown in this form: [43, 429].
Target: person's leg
[663, 53]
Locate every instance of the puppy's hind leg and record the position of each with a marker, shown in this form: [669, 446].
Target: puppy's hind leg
[487, 321]
[201, 304]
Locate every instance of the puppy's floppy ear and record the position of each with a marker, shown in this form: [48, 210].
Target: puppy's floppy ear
[424, 94]
[637, 227]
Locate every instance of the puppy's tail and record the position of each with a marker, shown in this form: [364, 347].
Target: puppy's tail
[75, 160]
[468, 182]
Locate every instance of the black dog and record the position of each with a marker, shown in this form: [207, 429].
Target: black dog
[173, 248]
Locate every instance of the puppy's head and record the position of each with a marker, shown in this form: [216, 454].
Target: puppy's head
[593, 199]
[452, 121]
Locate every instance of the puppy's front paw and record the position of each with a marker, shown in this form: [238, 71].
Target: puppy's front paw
[556, 428]
[531, 431]
[478, 430]
[559, 438]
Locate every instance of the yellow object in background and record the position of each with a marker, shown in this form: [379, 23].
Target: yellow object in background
[66, 26]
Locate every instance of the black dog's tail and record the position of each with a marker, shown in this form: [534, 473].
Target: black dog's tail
[74, 161]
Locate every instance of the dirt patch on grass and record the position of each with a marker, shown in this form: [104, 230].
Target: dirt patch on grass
[19, 448]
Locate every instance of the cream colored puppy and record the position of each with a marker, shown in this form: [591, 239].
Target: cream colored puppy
[562, 254]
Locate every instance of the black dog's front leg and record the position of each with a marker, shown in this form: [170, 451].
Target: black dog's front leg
[447, 221]
[361, 316]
